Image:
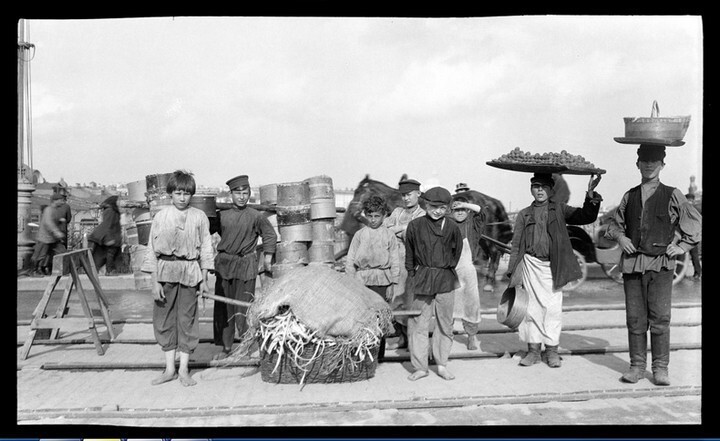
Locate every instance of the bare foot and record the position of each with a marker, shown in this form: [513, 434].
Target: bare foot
[164, 378]
[444, 373]
[417, 375]
[221, 355]
[186, 380]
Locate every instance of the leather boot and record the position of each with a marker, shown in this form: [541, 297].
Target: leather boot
[660, 349]
[553, 358]
[532, 356]
[637, 344]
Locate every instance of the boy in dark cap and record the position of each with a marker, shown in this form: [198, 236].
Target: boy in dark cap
[541, 249]
[647, 224]
[236, 261]
[433, 247]
[397, 223]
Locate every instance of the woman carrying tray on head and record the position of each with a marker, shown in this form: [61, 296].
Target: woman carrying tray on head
[541, 249]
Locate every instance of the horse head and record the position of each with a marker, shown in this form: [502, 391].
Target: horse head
[497, 224]
[353, 219]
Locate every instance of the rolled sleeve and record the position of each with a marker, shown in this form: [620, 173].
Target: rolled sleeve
[207, 253]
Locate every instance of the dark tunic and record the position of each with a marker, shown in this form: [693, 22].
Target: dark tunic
[432, 253]
[558, 249]
[109, 232]
[240, 229]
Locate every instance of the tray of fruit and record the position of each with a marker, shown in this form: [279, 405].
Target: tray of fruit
[553, 162]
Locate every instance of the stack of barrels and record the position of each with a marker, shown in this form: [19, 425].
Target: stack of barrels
[156, 193]
[305, 213]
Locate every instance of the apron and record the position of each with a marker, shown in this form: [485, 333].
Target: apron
[467, 296]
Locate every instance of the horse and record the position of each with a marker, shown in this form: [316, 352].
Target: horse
[497, 224]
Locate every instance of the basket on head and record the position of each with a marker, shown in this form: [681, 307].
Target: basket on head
[655, 130]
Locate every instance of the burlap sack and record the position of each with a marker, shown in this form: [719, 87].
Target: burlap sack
[332, 303]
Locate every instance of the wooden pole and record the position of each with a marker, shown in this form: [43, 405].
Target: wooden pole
[25, 183]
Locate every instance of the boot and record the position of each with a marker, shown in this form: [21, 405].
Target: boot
[660, 349]
[472, 342]
[553, 358]
[637, 344]
[532, 356]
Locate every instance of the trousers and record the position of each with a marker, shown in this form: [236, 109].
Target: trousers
[441, 306]
[228, 318]
[647, 307]
[175, 321]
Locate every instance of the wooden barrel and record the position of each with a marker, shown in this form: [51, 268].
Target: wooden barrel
[291, 252]
[137, 255]
[323, 230]
[205, 202]
[157, 184]
[141, 214]
[272, 218]
[293, 193]
[325, 264]
[158, 204]
[323, 252]
[268, 194]
[131, 235]
[292, 215]
[322, 209]
[136, 190]
[280, 269]
[342, 241]
[321, 187]
[143, 231]
[296, 233]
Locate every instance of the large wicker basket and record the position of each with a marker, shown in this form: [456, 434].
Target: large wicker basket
[318, 371]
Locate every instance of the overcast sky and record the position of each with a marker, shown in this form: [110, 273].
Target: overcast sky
[283, 99]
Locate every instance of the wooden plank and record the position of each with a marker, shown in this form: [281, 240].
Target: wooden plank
[38, 313]
[42, 304]
[89, 265]
[56, 323]
[62, 261]
[63, 307]
[86, 307]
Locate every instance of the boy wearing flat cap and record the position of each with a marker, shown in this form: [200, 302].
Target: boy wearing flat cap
[397, 223]
[541, 249]
[237, 261]
[653, 224]
[433, 247]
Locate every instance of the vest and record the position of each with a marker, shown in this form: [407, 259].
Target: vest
[650, 224]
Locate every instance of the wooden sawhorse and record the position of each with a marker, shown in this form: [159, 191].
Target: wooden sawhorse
[68, 264]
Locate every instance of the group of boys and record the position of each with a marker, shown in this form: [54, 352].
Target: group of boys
[653, 224]
[421, 259]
